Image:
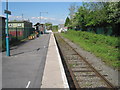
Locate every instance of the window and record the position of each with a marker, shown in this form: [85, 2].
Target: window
[10, 25]
[19, 25]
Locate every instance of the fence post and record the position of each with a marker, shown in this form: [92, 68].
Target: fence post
[16, 34]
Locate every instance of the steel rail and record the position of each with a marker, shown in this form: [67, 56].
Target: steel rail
[110, 85]
[69, 70]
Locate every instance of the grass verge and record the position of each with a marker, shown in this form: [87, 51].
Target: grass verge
[105, 47]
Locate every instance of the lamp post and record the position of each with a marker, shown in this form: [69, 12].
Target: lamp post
[40, 19]
[40, 15]
[6, 31]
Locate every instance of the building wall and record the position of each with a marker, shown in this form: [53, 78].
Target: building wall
[16, 29]
[2, 33]
[27, 24]
[20, 28]
[17, 24]
[28, 28]
[2, 26]
[60, 26]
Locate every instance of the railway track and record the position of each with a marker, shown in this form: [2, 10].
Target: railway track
[82, 73]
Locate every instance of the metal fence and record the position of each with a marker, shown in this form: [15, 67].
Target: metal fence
[108, 30]
[20, 33]
[101, 30]
[16, 34]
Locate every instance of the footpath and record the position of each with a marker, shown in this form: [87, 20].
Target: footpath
[54, 74]
[25, 66]
[34, 64]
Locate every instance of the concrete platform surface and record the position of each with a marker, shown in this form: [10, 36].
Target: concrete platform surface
[54, 75]
[25, 67]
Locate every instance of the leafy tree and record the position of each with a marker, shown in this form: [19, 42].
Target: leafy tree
[114, 12]
[114, 16]
[80, 18]
[48, 25]
[96, 14]
[55, 28]
[72, 10]
[67, 22]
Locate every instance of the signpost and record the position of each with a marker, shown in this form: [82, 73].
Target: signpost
[6, 31]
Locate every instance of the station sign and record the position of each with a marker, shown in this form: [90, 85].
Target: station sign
[7, 12]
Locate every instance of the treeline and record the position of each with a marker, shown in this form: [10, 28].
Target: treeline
[55, 28]
[95, 16]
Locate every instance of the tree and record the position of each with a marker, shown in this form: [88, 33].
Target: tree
[48, 25]
[55, 28]
[72, 10]
[96, 14]
[114, 16]
[80, 18]
[114, 12]
[67, 22]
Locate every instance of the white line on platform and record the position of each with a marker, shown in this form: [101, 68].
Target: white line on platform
[61, 67]
[28, 84]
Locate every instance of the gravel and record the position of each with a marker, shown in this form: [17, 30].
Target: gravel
[111, 74]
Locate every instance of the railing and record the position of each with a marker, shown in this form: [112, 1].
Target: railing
[15, 34]
[20, 33]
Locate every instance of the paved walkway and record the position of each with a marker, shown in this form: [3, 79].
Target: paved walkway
[0, 70]
[54, 75]
[25, 67]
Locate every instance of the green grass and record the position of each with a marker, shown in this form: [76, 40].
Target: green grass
[105, 47]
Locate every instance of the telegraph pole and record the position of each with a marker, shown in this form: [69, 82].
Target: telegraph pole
[6, 31]
[40, 15]
[41, 19]
[22, 17]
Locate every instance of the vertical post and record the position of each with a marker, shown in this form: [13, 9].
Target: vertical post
[40, 17]
[40, 21]
[16, 34]
[39, 27]
[6, 31]
[6, 4]
[22, 18]
[7, 36]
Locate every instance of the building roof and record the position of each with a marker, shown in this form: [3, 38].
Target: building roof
[23, 21]
[2, 17]
[38, 24]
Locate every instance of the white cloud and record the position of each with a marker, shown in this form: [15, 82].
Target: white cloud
[43, 18]
[18, 17]
[2, 15]
[47, 19]
[62, 20]
[15, 17]
[33, 17]
[34, 20]
[52, 19]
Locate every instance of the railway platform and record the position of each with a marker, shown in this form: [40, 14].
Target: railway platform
[34, 64]
[54, 74]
